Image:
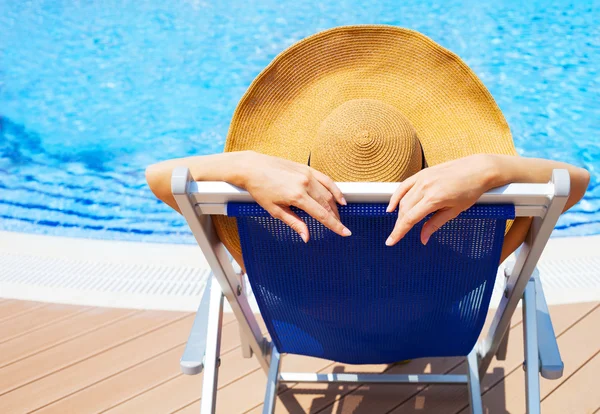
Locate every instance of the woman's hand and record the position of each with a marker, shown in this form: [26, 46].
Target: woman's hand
[447, 189]
[276, 184]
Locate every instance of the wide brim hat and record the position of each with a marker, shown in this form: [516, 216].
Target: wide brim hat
[299, 100]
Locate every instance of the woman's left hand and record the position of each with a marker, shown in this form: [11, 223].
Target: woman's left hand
[447, 189]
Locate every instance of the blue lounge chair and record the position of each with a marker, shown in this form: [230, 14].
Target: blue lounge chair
[355, 300]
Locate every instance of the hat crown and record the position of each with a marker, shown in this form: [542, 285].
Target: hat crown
[283, 110]
[366, 140]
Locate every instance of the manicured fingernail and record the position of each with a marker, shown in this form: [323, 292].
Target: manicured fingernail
[388, 209]
[344, 203]
[346, 232]
[389, 241]
[304, 237]
[425, 241]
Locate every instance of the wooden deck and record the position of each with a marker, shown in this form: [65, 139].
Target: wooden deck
[69, 359]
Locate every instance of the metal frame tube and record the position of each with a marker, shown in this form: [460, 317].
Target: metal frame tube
[551, 364]
[473, 383]
[213, 350]
[528, 199]
[532, 362]
[350, 378]
[522, 270]
[272, 382]
[192, 360]
[216, 256]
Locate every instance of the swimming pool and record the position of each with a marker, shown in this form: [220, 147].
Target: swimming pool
[93, 91]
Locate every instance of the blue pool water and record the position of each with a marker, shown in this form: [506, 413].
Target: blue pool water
[93, 91]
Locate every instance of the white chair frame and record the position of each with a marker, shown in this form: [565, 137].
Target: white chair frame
[197, 201]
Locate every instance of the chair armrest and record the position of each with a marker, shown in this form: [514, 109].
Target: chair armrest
[192, 360]
[551, 364]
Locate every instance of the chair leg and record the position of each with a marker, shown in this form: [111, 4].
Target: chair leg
[532, 359]
[213, 349]
[474, 386]
[272, 382]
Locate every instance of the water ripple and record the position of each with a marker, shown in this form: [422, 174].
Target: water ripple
[92, 92]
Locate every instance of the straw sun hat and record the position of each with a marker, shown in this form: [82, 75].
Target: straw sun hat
[366, 103]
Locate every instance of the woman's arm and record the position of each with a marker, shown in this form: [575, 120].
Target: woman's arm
[216, 167]
[510, 169]
[534, 170]
[274, 183]
[447, 188]
[454, 186]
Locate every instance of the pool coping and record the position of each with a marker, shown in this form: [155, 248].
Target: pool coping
[124, 274]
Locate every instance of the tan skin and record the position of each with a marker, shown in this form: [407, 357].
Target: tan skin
[446, 189]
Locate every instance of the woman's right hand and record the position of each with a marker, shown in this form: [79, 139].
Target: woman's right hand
[276, 184]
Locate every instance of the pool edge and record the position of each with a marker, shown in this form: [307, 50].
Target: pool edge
[124, 274]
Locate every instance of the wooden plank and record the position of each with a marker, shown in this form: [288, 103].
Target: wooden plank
[12, 308]
[121, 387]
[60, 332]
[578, 394]
[51, 360]
[36, 319]
[450, 399]
[136, 380]
[578, 345]
[166, 398]
[183, 389]
[89, 371]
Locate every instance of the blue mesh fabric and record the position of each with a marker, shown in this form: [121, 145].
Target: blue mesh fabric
[356, 300]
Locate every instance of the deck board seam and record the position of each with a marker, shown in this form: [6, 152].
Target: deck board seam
[129, 313]
[187, 405]
[225, 323]
[149, 389]
[111, 376]
[179, 374]
[45, 325]
[24, 312]
[71, 338]
[579, 320]
[90, 356]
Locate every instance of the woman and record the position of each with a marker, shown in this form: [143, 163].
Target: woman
[367, 103]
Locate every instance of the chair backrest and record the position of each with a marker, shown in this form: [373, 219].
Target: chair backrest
[355, 300]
